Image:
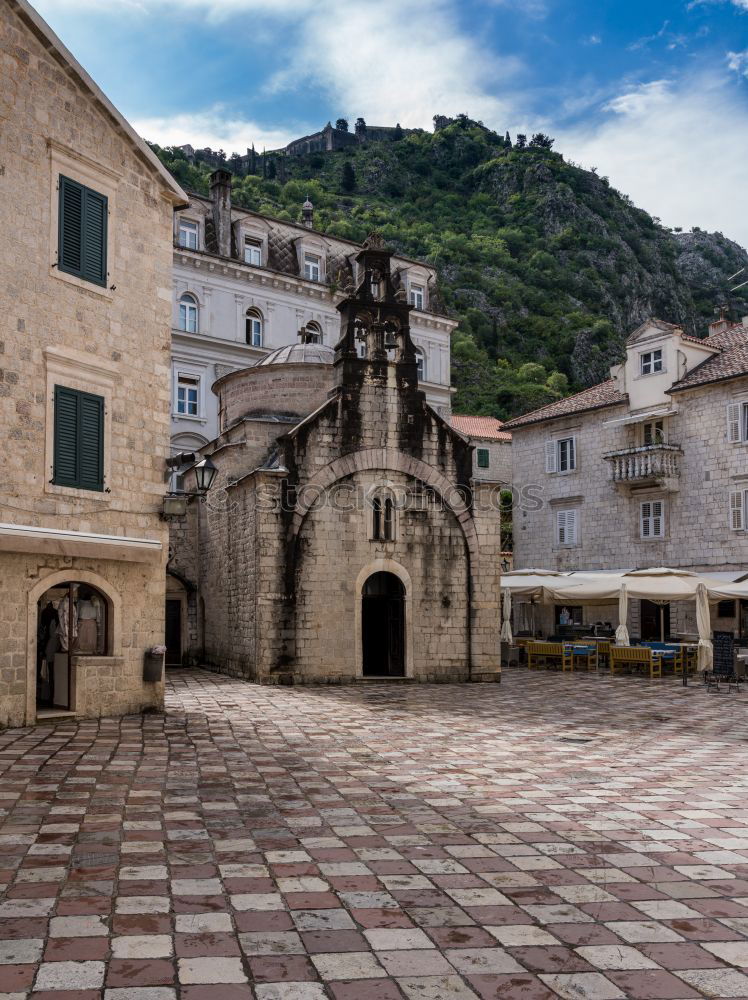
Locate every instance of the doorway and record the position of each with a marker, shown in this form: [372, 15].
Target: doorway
[383, 626]
[650, 620]
[71, 621]
[173, 632]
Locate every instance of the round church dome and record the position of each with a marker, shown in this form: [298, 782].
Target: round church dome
[293, 354]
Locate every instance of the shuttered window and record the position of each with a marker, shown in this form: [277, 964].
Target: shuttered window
[737, 510]
[78, 439]
[566, 527]
[484, 459]
[82, 226]
[653, 519]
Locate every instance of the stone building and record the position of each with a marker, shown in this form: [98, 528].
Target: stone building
[346, 536]
[645, 469]
[85, 281]
[245, 284]
[492, 456]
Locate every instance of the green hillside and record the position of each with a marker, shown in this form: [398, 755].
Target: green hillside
[546, 265]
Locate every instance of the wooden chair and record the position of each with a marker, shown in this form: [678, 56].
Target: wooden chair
[585, 654]
[603, 651]
[634, 657]
[550, 651]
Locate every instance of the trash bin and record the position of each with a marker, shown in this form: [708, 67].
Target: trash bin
[153, 667]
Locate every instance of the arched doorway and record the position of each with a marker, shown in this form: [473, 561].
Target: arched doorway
[383, 626]
[72, 620]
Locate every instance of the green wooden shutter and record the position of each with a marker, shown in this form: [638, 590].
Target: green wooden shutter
[82, 229]
[70, 226]
[94, 237]
[79, 439]
[91, 442]
[66, 437]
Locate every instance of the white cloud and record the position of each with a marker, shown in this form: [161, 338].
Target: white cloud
[216, 9]
[215, 128]
[738, 62]
[678, 149]
[368, 60]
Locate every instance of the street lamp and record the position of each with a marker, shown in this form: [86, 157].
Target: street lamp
[205, 473]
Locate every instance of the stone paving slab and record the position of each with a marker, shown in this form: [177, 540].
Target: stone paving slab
[555, 836]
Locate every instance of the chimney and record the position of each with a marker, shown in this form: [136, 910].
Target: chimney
[307, 214]
[220, 193]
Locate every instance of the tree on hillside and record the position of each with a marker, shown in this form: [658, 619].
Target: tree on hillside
[348, 177]
[508, 141]
[271, 171]
[541, 141]
[521, 141]
[342, 124]
[398, 133]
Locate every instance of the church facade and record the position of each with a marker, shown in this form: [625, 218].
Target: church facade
[345, 536]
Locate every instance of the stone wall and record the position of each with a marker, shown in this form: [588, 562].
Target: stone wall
[288, 388]
[58, 329]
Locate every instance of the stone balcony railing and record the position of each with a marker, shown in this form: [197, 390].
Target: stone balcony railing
[649, 463]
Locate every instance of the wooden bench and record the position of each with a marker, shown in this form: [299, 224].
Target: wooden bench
[549, 651]
[633, 657]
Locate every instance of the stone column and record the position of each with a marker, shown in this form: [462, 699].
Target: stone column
[485, 581]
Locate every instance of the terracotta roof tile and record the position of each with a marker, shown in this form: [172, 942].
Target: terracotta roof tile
[730, 362]
[483, 427]
[594, 398]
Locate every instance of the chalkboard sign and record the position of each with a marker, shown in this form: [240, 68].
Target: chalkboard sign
[724, 655]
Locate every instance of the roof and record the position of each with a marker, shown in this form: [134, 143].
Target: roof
[731, 361]
[39, 27]
[480, 427]
[595, 398]
[299, 353]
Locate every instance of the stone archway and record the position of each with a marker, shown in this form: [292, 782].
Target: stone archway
[114, 622]
[383, 626]
[391, 568]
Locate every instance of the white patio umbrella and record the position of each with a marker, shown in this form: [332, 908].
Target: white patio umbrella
[622, 632]
[705, 654]
[506, 628]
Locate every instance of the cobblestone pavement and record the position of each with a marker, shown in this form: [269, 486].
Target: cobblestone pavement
[572, 836]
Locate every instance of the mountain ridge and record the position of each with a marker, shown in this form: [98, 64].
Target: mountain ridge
[545, 264]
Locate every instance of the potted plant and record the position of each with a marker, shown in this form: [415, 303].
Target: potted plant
[153, 664]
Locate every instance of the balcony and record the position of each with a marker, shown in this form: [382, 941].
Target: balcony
[652, 464]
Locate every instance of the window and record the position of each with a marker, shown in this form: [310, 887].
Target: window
[566, 614]
[82, 232]
[361, 348]
[738, 509]
[254, 327]
[566, 527]
[188, 234]
[313, 333]
[253, 252]
[726, 609]
[737, 422]
[652, 519]
[312, 267]
[561, 455]
[483, 458]
[420, 364]
[383, 519]
[188, 313]
[653, 432]
[188, 395]
[416, 296]
[78, 439]
[651, 362]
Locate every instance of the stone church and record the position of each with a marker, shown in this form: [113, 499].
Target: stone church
[344, 536]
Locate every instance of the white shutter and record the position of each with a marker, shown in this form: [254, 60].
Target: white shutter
[550, 456]
[658, 519]
[571, 527]
[646, 518]
[737, 510]
[561, 527]
[733, 421]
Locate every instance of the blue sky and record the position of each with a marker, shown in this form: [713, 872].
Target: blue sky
[653, 94]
